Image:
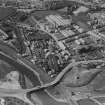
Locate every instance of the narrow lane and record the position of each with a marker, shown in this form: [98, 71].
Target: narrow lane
[35, 80]
[42, 94]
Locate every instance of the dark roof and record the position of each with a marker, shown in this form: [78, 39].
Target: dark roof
[6, 12]
[42, 14]
[38, 36]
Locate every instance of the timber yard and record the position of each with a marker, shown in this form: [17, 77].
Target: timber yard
[52, 52]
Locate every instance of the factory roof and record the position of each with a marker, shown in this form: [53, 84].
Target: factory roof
[5, 12]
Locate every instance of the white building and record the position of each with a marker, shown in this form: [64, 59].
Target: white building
[58, 20]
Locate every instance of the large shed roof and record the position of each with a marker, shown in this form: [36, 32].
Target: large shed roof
[5, 12]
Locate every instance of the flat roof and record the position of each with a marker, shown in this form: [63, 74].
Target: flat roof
[6, 12]
[41, 14]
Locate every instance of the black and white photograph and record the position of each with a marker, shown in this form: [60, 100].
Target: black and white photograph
[52, 52]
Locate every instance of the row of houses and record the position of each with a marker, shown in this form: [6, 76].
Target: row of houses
[59, 27]
[95, 35]
[63, 26]
[58, 20]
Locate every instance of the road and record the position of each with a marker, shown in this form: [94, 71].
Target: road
[11, 54]
[34, 79]
[43, 95]
[22, 69]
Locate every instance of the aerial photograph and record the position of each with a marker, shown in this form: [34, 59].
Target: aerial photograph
[52, 52]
